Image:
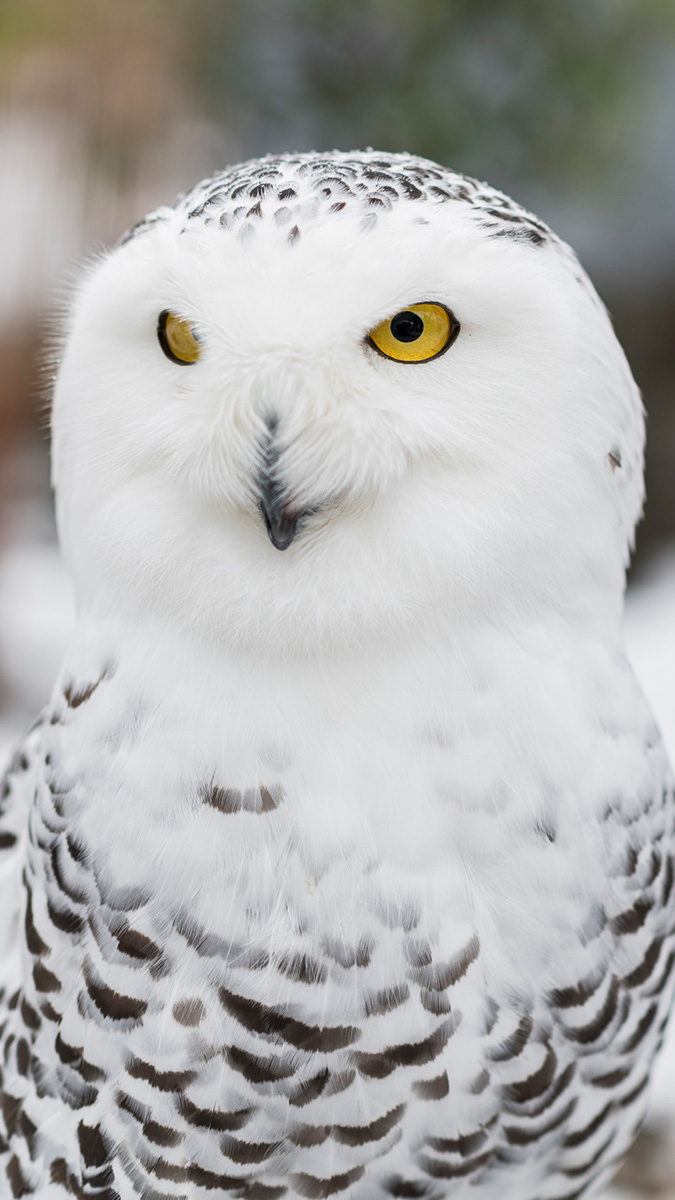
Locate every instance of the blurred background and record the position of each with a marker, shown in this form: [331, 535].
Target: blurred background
[109, 107]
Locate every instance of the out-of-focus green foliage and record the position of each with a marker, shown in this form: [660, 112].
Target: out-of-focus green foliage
[516, 87]
[25, 23]
[513, 88]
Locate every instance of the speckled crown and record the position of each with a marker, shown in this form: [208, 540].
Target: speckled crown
[293, 190]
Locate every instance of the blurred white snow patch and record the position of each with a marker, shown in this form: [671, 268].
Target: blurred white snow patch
[37, 616]
[650, 632]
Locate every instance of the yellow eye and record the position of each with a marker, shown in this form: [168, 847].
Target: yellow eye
[416, 334]
[178, 338]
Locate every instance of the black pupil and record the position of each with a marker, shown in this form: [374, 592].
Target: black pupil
[407, 326]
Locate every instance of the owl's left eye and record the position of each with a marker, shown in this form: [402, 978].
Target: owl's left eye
[178, 338]
[416, 334]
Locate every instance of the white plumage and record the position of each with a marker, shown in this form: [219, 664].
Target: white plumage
[347, 835]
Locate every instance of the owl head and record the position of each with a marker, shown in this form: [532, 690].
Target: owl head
[326, 400]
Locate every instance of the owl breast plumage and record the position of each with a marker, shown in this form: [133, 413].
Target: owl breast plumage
[340, 861]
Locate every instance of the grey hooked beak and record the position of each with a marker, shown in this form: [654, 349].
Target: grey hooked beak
[280, 516]
[280, 521]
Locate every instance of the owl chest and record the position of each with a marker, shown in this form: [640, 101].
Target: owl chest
[312, 949]
[317, 862]
[240, 915]
[360, 1006]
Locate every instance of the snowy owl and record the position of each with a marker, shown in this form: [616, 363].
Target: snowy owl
[340, 861]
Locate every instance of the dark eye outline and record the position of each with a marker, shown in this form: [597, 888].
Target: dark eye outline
[164, 341]
[420, 362]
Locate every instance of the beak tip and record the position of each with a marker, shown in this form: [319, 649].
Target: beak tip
[280, 530]
[280, 543]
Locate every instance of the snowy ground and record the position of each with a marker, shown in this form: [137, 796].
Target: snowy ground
[36, 615]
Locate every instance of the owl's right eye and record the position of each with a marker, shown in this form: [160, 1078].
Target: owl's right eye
[178, 338]
[417, 334]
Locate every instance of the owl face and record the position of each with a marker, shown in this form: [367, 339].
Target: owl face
[312, 408]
